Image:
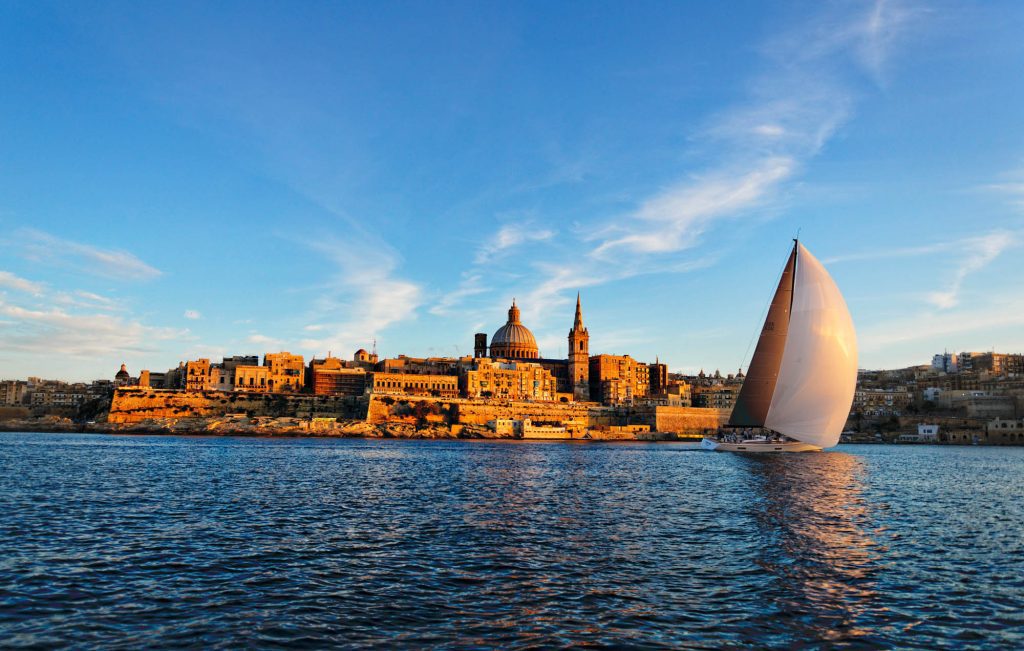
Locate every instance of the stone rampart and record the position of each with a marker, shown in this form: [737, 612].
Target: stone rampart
[688, 420]
[134, 405]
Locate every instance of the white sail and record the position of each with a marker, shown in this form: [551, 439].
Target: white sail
[818, 374]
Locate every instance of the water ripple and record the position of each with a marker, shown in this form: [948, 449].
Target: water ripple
[122, 542]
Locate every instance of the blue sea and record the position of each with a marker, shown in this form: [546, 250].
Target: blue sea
[137, 541]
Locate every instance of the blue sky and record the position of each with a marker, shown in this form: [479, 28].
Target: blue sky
[183, 180]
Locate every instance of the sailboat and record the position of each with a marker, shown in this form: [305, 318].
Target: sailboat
[801, 380]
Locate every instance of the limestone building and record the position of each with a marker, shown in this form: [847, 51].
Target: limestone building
[579, 357]
[416, 384]
[512, 340]
[197, 374]
[509, 380]
[287, 372]
[332, 377]
[252, 379]
[619, 379]
[13, 392]
[611, 379]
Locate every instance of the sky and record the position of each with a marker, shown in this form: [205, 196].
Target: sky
[182, 180]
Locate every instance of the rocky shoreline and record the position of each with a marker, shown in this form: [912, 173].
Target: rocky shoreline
[284, 428]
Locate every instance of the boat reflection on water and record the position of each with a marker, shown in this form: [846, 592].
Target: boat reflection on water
[815, 528]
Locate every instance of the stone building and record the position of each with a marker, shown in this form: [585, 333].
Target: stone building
[123, 378]
[364, 359]
[580, 377]
[578, 364]
[513, 340]
[13, 392]
[715, 396]
[619, 379]
[1005, 432]
[415, 384]
[252, 379]
[332, 377]
[511, 380]
[421, 365]
[197, 375]
[287, 372]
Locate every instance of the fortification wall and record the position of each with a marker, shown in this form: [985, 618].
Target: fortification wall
[687, 420]
[134, 404]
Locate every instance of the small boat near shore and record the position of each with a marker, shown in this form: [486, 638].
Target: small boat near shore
[800, 384]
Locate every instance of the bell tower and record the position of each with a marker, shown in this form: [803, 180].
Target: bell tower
[579, 357]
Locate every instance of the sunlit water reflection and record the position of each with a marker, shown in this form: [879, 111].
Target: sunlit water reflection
[170, 541]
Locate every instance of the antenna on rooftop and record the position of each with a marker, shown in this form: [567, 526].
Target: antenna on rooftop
[374, 345]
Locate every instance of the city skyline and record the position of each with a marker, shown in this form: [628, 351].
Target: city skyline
[204, 183]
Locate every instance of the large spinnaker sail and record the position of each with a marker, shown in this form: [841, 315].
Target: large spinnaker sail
[751, 408]
[818, 375]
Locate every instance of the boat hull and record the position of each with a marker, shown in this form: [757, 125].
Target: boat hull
[756, 446]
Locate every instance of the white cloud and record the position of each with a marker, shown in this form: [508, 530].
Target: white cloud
[109, 263]
[193, 314]
[979, 253]
[993, 324]
[1012, 187]
[674, 219]
[900, 252]
[362, 298]
[509, 236]
[803, 93]
[770, 130]
[9, 280]
[470, 285]
[794, 106]
[57, 332]
[263, 340]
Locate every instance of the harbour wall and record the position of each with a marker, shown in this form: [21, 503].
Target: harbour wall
[134, 405]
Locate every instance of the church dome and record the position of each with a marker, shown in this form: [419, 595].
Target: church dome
[514, 340]
[122, 374]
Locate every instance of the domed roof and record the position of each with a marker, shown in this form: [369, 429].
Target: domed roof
[513, 335]
[122, 374]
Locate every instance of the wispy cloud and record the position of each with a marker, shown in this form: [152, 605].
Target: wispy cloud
[979, 252]
[193, 314]
[898, 252]
[674, 219]
[747, 154]
[11, 281]
[362, 298]
[472, 284]
[84, 299]
[264, 340]
[110, 263]
[509, 236]
[1012, 187]
[970, 255]
[58, 332]
[995, 322]
[794, 107]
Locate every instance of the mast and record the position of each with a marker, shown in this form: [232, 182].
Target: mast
[751, 408]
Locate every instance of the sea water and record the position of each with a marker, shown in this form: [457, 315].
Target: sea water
[160, 541]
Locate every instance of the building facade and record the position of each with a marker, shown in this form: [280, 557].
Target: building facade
[619, 379]
[414, 384]
[510, 380]
[287, 372]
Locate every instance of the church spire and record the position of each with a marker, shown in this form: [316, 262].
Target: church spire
[578, 325]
